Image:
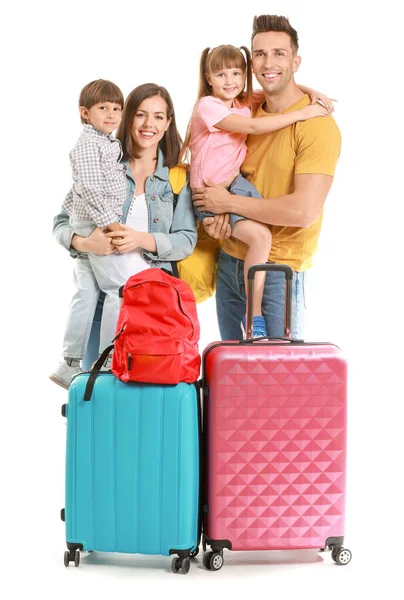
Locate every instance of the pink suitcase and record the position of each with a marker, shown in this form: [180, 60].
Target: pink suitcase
[275, 434]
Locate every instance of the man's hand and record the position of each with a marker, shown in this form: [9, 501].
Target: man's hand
[214, 198]
[96, 243]
[218, 227]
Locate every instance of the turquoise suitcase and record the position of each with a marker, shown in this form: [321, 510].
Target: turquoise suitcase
[132, 469]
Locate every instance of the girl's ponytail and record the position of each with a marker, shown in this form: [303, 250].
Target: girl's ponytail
[203, 88]
[249, 86]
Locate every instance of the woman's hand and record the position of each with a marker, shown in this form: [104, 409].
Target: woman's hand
[218, 227]
[96, 243]
[126, 239]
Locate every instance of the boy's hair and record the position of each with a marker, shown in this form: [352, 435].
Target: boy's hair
[212, 61]
[266, 23]
[97, 91]
[170, 143]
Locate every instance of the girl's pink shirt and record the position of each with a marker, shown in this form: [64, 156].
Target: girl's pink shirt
[215, 154]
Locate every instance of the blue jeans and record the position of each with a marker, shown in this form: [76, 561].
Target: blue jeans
[231, 300]
[240, 187]
[92, 351]
[92, 274]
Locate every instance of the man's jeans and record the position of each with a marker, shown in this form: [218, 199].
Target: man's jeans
[231, 300]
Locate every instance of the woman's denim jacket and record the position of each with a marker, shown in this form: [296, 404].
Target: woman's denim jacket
[172, 223]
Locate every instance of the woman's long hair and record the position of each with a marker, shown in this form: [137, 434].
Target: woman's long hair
[212, 61]
[170, 144]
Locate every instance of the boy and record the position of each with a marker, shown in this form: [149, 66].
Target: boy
[95, 200]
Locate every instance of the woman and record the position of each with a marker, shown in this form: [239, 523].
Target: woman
[156, 230]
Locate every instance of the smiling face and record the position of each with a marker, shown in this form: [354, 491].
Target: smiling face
[226, 84]
[150, 122]
[104, 116]
[274, 61]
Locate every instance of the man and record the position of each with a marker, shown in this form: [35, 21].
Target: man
[292, 169]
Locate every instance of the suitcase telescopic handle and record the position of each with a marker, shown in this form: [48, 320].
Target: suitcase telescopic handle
[288, 295]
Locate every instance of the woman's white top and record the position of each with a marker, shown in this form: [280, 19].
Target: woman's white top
[138, 219]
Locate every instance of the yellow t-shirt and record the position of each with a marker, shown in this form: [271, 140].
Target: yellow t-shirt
[271, 163]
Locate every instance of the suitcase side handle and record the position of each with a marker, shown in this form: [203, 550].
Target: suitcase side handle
[288, 295]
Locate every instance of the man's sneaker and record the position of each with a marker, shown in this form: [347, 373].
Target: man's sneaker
[259, 327]
[64, 372]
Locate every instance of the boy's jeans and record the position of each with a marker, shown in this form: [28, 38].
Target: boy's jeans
[92, 274]
[231, 300]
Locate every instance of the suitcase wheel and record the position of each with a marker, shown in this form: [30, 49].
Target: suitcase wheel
[213, 561]
[71, 556]
[180, 565]
[77, 558]
[342, 556]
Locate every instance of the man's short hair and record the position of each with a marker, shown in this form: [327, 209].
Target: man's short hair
[266, 23]
[97, 91]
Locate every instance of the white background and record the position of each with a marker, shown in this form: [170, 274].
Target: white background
[49, 51]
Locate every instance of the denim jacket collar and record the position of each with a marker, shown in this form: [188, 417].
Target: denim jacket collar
[161, 171]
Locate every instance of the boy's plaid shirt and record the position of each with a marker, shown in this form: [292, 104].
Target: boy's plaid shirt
[99, 182]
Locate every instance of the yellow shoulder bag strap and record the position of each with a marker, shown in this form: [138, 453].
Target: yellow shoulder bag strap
[198, 269]
[178, 178]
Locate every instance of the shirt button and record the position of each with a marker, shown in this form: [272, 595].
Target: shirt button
[158, 263]
[156, 220]
[152, 178]
[153, 197]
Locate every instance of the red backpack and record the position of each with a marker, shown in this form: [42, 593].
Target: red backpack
[158, 331]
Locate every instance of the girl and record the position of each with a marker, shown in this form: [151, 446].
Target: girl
[216, 139]
[153, 232]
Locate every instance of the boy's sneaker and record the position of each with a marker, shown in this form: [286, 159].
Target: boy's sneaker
[65, 371]
[259, 327]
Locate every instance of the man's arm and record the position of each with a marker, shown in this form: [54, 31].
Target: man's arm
[301, 208]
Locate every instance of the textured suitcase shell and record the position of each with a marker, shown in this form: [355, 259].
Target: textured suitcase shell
[132, 467]
[275, 426]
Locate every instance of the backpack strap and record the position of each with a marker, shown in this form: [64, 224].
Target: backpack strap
[94, 373]
[178, 177]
